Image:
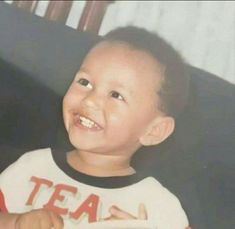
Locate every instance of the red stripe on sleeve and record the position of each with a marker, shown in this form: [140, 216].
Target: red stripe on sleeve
[3, 207]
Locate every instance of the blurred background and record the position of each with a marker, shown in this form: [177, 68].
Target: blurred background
[203, 31]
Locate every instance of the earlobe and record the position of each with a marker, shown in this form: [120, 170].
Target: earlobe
[160, 129]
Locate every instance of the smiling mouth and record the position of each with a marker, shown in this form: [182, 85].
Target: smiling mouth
[87, 123]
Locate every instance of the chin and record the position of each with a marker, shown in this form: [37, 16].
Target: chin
[82, 144]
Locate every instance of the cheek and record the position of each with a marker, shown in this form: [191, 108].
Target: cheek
[71, 99]
[115, 113]
[65, 109]
[120, 120]
[136, 121]
[69, 104]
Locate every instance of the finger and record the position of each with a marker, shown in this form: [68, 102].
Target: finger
[57, 221]
[107, 218]
[44, 218]
[142, 212]
[27, 221]
[45, 224]
[120, 214]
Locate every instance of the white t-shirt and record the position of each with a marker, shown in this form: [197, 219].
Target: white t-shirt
[44, 179]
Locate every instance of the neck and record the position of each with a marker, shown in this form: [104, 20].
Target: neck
[99, 164]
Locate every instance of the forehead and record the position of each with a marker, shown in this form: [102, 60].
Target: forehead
[122, 59]
[118, 52]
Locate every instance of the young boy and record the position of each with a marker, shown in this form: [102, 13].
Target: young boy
[126, 94]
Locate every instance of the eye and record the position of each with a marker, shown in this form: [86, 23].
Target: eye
[117, 95]
[85, 83]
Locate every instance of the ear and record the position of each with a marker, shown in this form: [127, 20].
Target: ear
[160, 129]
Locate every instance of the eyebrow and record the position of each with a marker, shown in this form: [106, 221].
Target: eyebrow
[124, 89]
[82, 69]
[121, 86]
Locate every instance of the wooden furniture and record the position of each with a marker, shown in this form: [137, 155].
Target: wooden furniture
[90, 20]
[26, 5]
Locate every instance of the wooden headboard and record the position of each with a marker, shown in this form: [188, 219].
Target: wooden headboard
[90, 19]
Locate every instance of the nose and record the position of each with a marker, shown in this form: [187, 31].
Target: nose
[92, 101]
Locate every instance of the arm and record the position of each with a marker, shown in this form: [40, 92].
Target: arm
[37, 219]
[7, 220]
[118, 214]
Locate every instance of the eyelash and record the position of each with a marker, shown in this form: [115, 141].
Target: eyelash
[118, 95]
[114, 94]
[85, 83]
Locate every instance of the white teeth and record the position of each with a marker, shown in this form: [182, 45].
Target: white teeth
[86, 122]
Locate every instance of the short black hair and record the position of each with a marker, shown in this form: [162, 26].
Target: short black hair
[174, 90]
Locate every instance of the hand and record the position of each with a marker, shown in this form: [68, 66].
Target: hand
[118, 214]
[39, 219]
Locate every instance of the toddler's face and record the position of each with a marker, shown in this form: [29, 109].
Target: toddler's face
[112, 99]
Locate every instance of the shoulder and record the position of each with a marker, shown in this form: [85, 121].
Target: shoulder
[154, 186]
[151, 184]
[35, 156]
[159, 194]
[165, 204]
[28, 161]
